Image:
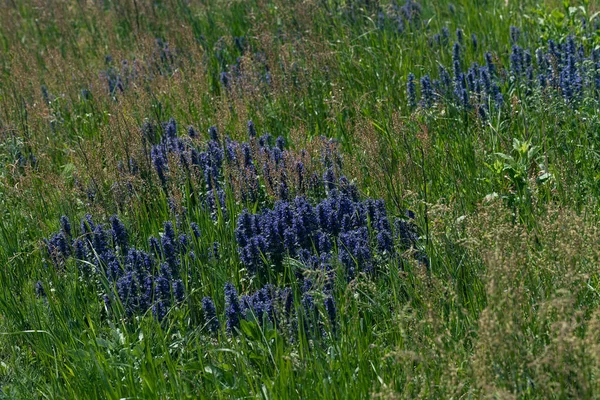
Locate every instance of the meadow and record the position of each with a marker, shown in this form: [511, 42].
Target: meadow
[311, 199]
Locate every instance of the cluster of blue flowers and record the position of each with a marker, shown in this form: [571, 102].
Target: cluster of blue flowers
[280, 170]
[247, 77]
[476, 88]
[119, 78]
[139, 280]
[339, 223]
[394, 16]
[203, 167]
[273, 307]
[561, 69]
[255, 170]
[317, 219]
[400, 16]
[564, 68]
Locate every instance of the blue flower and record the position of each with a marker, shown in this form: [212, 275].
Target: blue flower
[324, 243]
[119, 233]
[300, 175]
[542, 81]
[213, 133]
[87, 225]
[169, 231]
[114, 270]
[354, 252]
[99, 240]
[329, 179]
[163, 288]
[456, 53]
[178, 290]
[225, 79]
[247, 153]
[233, 310]
[154, 246]
[252, 253]
[445, 80]
[166, 271]
[280, 143]
[490, 64]
[147, 293]
[554, 51]
[231, 149]
[265, 141]
[210, 315]
[516, 60]
[192, 133]
[80, 252]
[127, 291]
[411, 11]
[540, 59]
[411, 91]
[406, 233]
[485, 80]
[251, 129]
[244, 229]
[283, 190]
[254, 307]
[214, 254]
[170, 252]
[384, 241]
[304, 222]
[66, 226]
[527, 59]
[459, 35]
[277, 156]
[171, 128]
[426, 92]
[58, 248]
[195, 229]
[514, 34]
[159, 310]
[39, 289]
[160, 163]
[472, 76]
[290, 241]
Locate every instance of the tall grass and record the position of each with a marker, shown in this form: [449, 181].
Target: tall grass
[505, 307]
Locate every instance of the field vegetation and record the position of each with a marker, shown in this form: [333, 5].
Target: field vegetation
[303, 199]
